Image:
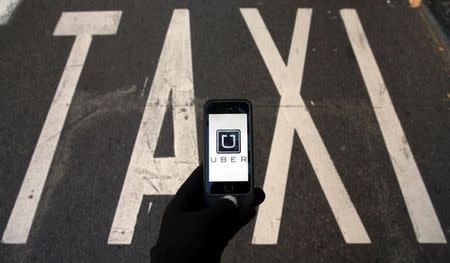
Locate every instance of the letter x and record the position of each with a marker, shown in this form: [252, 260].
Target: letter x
[293, 115]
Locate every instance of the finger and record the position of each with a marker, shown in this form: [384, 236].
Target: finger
[229, 227]
[220, 220]
[222, 210]
[247, 212]
[258, 196]
[244, 214]
[190, 194]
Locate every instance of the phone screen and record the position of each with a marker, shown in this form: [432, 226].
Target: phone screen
[228, 147]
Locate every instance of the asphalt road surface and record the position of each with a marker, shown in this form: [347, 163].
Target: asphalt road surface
[101, 120]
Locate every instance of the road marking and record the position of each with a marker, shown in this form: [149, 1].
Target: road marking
[420, 209]
[147, 175]
[293, 115]
[88, 24]
[7, 8]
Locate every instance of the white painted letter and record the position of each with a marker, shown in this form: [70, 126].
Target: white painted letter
[147, 175]
[293, 115]
[7, 8]
[420, 209]
[82, 25]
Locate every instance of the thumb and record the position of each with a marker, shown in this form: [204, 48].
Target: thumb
[222, 211]
[221, 219]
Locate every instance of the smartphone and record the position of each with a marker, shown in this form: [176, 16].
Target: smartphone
[228, 164]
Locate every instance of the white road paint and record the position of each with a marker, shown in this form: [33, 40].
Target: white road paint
[149, 207]
[21, 219]
[7, 8]
[90, 23]
[293, 115]
[146, 174]
[420, 209]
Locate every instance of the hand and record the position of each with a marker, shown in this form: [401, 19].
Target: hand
[191, 232]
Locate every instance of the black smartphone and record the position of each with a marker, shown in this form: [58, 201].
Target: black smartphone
[228, 164]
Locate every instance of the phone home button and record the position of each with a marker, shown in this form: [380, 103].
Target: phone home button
[228, 188]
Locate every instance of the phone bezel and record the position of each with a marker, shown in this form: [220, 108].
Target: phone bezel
[224, 107]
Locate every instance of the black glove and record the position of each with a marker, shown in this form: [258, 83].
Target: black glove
[192, 232]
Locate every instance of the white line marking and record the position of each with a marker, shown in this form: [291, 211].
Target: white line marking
[90, 22]
[293, 115]
[145, 82]
[147, 175]
[149, 207]
[420, 209]
[7, 8]
[22, 216]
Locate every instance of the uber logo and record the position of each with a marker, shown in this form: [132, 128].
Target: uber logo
[228, 141]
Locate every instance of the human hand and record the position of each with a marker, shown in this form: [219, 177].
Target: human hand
[192, 232]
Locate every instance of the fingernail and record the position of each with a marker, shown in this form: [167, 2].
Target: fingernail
[232, 199]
